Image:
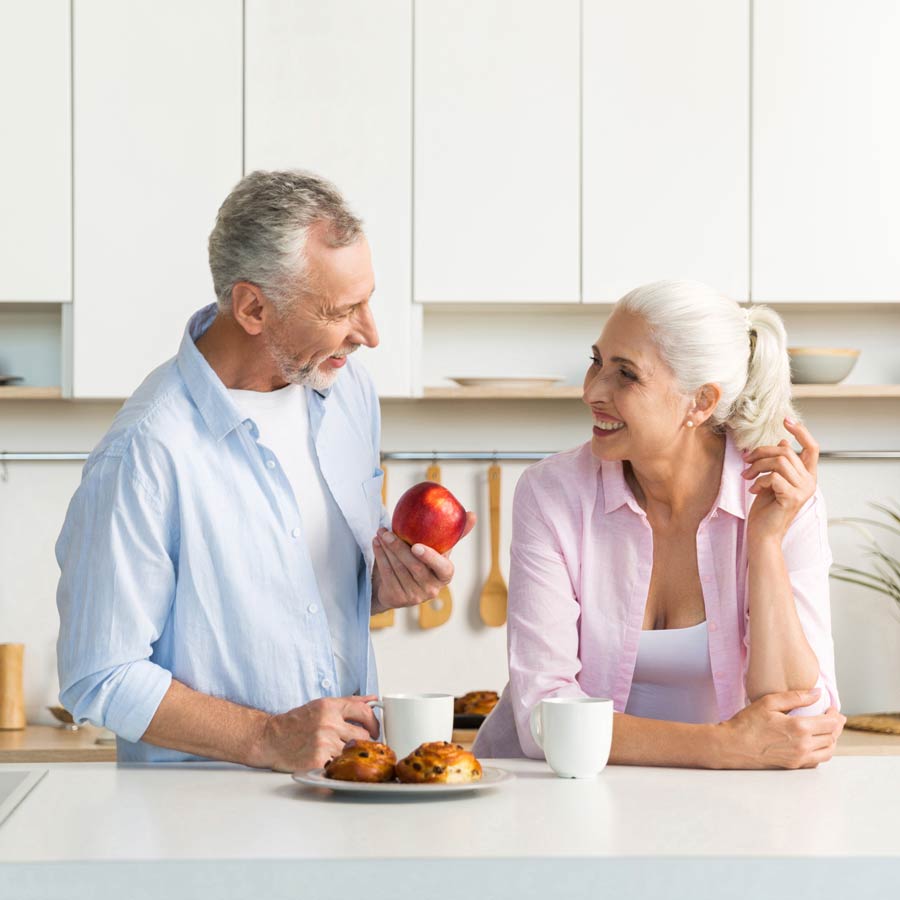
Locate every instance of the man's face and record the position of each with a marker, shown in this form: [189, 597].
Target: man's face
[330, 319]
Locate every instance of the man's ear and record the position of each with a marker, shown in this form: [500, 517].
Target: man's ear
[707, 399]
[249, 307]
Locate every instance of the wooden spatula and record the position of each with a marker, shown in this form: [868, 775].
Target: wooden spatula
[385, 619]
[435, 612]
[494, 593]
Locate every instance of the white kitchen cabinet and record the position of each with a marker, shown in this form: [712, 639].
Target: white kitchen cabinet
[35, 152]
[157, 111]
[666, 144]
[329, 89]
[496, 150]
[826, 141]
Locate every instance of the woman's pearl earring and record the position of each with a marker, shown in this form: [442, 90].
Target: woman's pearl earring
[689, 423]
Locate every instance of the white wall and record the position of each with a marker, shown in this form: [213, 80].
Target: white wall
[463, 654]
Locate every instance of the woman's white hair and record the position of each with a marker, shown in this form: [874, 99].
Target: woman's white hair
[706, 338]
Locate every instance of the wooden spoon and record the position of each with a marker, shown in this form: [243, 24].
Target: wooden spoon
[385, 619]
[435, 612]
[494, 593]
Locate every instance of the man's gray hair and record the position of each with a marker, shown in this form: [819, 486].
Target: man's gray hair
[261, 231]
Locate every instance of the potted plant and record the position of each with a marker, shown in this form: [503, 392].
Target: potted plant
[884, 575]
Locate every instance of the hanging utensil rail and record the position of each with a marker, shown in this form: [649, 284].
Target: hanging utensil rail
[443, 456]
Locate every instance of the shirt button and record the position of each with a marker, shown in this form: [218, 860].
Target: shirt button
[270, 463]
[295, 532]
[248, 425]
[326, 683]
[312, 608]
[719, 675]
[713, 626]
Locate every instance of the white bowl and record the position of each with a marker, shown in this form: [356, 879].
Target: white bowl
[821, 365]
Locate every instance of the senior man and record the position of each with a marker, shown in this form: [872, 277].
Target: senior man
[226, 547]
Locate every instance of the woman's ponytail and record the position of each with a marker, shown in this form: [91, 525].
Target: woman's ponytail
[758, 414]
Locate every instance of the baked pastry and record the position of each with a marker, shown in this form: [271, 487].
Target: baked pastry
[363, 761]
[438, 762]
[475, 703]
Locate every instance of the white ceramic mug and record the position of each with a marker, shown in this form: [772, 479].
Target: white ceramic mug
[575, 734]
[413, 719]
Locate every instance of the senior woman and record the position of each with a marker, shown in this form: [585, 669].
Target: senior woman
[678, 561]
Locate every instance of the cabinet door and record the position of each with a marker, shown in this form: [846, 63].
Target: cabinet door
[826, 141]
[35, 152]
[666, 144]
[157, 105]
[496, 150]
[328, 88]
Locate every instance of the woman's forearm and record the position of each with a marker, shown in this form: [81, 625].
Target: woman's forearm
[780, 656]
[651, 742]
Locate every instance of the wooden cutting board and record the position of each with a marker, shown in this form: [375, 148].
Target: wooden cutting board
[883, 723]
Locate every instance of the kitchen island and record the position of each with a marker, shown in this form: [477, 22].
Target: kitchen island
[227, 832]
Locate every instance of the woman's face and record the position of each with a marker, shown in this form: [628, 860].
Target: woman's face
[638, 410]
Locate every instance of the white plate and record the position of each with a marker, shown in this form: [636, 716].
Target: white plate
[510, 381]
[490, 777]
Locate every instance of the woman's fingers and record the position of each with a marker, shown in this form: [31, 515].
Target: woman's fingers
[780, 464]
[810, 449]
[817, 758]
[774, 482]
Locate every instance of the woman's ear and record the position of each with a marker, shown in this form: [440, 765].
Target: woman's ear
[706, 400]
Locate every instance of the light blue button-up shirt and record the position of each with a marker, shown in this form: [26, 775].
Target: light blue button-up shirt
[180, 555]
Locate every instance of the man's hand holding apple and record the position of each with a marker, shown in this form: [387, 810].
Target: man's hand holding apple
[412, 561]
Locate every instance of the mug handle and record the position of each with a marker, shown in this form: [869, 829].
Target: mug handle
[537, 729]
[373, 704]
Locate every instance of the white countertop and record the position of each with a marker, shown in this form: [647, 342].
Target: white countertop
[225, 831]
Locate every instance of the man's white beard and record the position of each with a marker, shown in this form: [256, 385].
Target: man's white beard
[310, 373]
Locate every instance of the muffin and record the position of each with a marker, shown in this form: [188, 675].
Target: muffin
[363, 761]
[475, 703]
[439, 762]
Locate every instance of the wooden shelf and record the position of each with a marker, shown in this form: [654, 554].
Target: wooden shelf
[573, 392]
[837, 391]
[24, 392]
[494, 393]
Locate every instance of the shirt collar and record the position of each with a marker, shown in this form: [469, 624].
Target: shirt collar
[205, 387]
[732, 490]
[731, 498]
[616, 492]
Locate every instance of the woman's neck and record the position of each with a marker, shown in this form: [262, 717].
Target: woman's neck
[683, 484]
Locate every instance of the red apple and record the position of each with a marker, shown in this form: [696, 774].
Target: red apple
[429, 514]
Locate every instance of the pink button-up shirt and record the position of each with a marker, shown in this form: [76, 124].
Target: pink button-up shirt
[581, 559]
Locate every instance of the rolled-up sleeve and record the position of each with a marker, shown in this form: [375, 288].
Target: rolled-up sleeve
[116, 589]
[542, 630]
[808, 559]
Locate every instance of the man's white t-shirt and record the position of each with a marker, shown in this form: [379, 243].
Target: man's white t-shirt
[282, 418]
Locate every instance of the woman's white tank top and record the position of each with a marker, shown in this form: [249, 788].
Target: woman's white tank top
[673, 677]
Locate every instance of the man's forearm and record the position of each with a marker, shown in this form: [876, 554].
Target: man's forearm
[780, 656]
[196, 723]
[651, 742]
